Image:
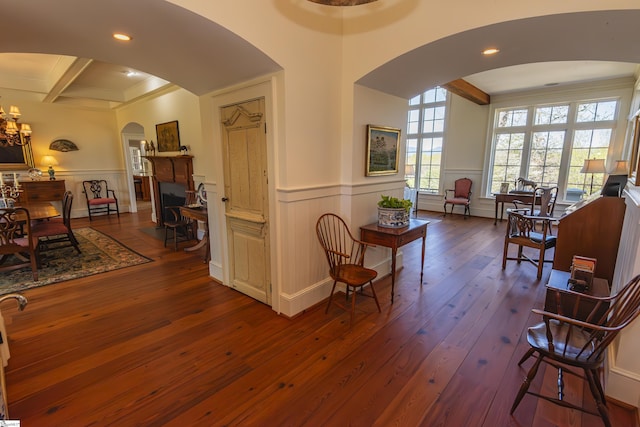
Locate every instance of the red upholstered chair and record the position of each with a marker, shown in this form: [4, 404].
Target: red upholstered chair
[100, 199]
[16, 240]
[56, 230]
[459, 195]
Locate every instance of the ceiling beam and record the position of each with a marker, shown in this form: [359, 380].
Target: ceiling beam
[468, 91]
[67, 78]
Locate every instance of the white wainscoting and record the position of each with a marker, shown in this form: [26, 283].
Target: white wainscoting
[623, 364]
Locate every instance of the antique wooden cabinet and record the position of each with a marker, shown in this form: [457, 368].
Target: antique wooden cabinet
[591, 229]
[42, 191]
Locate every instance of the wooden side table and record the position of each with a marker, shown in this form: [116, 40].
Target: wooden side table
[394, 238]
[501, 198]
[559, 300]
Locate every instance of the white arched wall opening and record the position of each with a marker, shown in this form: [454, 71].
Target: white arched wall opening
[130, 133]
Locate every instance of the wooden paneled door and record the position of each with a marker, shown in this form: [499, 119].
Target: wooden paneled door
[246, 198]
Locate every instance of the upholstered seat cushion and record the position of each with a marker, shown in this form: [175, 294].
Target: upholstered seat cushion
[102, 201]
[458, 201]
[49, 228]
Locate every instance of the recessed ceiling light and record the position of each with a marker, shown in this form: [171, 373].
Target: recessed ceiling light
[122, 37]
[131, 73]
[490, 51]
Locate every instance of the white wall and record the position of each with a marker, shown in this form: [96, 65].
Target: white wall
[172, 104]
[93, 131]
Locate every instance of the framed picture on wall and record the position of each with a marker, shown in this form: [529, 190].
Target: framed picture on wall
[168, 136]
[16, 157]
[383, 149]
[634, 163]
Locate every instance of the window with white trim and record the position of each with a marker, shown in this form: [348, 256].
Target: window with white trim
[548, 144]
[425, 139]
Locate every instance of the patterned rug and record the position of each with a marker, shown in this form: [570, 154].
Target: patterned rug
[100, 253]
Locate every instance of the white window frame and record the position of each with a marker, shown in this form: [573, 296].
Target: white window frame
[614, 90]
[416, 171]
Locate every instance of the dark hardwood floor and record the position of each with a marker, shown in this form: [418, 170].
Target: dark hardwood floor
[162, 344]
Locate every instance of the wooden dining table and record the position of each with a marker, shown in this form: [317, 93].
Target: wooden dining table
[40, 210]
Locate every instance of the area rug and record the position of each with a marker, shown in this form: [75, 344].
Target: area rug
[100, 253]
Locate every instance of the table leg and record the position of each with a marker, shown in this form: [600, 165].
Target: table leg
[495, 221]
[424, 239]
[393, 271]
[200, 245]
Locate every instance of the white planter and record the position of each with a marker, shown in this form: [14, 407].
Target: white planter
[393, 217]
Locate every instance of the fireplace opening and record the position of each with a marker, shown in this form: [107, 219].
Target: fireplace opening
[171, 194]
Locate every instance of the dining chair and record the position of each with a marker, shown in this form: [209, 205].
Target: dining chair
[521, 231]
[16, 240]
[345, 256]
[541, 196]
[578, 346]
[100, 199]
[56, 230]
[181, 228]
[460, 195]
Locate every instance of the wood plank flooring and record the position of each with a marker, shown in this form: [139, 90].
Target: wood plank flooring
[163, 344]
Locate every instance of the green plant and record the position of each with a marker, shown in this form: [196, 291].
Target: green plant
[394, 203]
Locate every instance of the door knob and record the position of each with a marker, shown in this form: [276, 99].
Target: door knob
[225, 199]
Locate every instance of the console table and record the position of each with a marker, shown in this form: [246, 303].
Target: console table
[42, 191]
[394, 238]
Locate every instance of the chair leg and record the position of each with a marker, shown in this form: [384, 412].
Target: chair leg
[504, 255]
[527, 355]
[526, 383]
[353, 306]
[541, 263]
[596, 388]
[330, 296]
[445, 209]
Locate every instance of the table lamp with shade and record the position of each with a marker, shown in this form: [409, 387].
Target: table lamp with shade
[593, 166]
[50, 161]
[620, 167]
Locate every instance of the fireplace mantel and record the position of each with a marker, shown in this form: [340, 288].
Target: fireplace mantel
[170, 169]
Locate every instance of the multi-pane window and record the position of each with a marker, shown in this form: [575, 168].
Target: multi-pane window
[425, 138]
[548, 144]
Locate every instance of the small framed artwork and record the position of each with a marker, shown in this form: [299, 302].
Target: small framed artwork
[504, 187]
[168, 136]
[383, 148]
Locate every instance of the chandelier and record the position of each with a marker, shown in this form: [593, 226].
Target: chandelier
[342, 2]
[11, 132]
